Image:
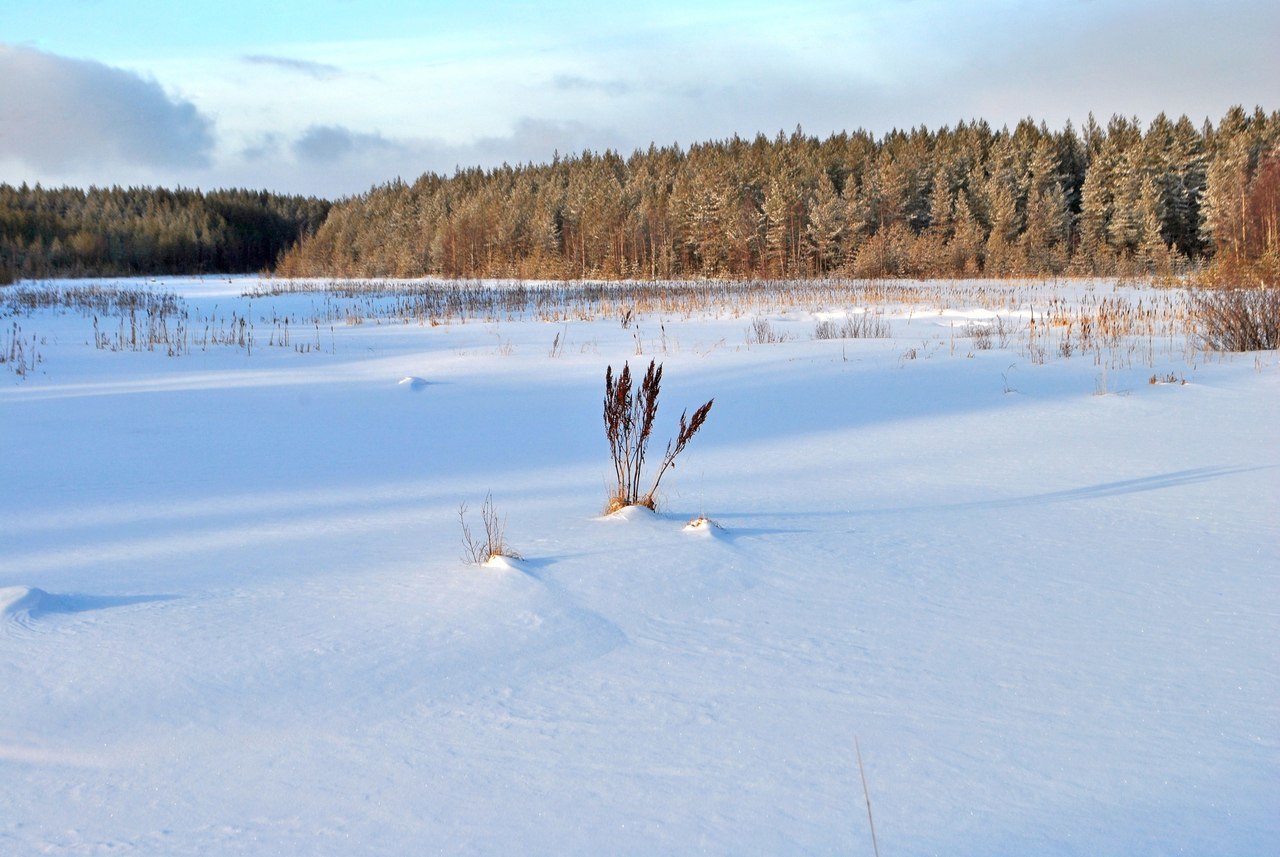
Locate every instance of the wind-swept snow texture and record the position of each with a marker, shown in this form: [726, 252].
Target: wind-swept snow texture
[234, 619]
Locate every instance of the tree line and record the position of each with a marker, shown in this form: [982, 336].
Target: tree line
[1118, 199]
[68, 232]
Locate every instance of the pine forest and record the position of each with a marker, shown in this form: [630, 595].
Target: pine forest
[968, 201]
[964, 201]
[117, 232]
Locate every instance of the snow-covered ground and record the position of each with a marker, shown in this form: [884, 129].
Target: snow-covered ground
[1040, 592]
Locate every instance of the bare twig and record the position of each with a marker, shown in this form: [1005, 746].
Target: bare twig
[862, 772]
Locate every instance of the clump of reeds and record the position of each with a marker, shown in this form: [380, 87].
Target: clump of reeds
[18, 353]
[629, 415]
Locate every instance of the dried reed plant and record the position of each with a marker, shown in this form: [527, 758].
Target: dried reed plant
[629, 415]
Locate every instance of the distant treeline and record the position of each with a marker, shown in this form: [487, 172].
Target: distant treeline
[66, 232]
[963, 201]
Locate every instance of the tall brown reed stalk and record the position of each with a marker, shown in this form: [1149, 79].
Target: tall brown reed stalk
[629, 415]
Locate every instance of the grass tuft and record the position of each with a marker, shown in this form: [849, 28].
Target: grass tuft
[479, 550]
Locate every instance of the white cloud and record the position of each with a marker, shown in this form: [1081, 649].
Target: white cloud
[580, 83]
[335, 117]
[65, 114]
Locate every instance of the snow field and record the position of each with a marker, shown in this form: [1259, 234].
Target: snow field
[234, 618]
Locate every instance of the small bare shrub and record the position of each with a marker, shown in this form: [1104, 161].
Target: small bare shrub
[1238, 319]
[867, 325]
[761, 332]
[477, 550]
[628, 424]
[981, 335]
[1100, 385]
[1004, 330]
[825, 329]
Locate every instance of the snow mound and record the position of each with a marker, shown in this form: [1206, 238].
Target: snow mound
[971, 319]
[17, 601]
[632, 513]
[413, 382]
[703, 527]
[839, 315]
[503, 563]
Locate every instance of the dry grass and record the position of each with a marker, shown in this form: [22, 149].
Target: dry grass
[1103, 321]
[864, 325]
[1237, 319]
[762, 332]
[18, 352]
[438, 302]
[1048, 318]
[479, 550]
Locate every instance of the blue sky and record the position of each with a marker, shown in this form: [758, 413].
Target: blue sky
[332, 96]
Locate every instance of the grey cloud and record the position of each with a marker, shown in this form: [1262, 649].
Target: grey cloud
[537, 140]
[323, 144]
[933, 62]
[60, 114]
[335, 161]
[266, 146]
[317, 70]
[1138, 57]
[530, 139]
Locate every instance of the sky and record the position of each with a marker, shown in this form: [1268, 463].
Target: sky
[333, 97]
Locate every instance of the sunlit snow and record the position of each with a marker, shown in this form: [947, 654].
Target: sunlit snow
[1037, 584]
